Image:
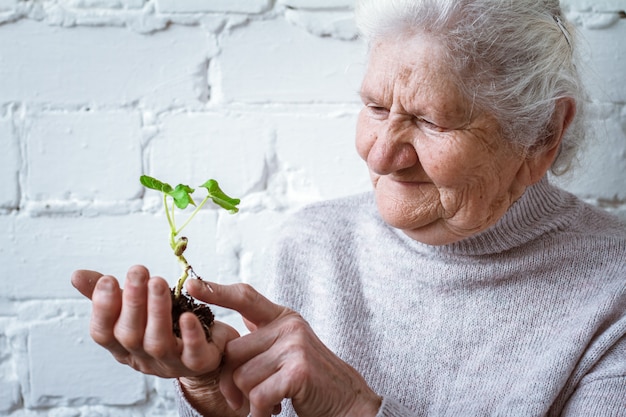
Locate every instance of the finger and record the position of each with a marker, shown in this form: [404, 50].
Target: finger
[85, 281]
[159, 340]
[254, 371]
[260, 379]
[291, 329]
[243, 298]
[107, 304]
[249, 325]
[259, 411]
[249, 358]
[265, 398]
[199, 355]
[131, 326]
[265, 381]
[247, 364]
[233, 395]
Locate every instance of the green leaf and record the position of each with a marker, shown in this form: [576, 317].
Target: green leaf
[220, 198]
[154, 184]
[182, 196]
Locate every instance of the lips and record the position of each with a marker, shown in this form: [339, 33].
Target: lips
[401, 189]
[405, 181]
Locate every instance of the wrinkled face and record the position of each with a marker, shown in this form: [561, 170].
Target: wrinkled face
[440, 169]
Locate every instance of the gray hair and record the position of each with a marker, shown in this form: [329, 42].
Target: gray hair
[513, 58]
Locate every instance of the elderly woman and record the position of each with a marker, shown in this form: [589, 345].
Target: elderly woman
[464, 285]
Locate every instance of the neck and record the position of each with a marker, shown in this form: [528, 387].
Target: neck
[540, 209]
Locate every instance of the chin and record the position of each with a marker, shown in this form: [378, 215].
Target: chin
[416, 215]
[430, 231]
[434, 235]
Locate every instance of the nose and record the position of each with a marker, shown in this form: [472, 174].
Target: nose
[393, 148]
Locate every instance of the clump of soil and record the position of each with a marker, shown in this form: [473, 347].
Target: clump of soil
[185, 303]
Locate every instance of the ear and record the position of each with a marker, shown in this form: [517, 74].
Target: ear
[541, 158]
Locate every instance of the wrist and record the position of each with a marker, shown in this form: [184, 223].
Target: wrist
[204, 395]
[207, 383]
[367, 406]
[366, 409]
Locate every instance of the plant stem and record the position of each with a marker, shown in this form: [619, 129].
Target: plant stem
[193, 214]
[170, 221]
[181, 280]
[181, 259]
[186, 268]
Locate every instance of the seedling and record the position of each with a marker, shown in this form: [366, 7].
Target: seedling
[179, 197]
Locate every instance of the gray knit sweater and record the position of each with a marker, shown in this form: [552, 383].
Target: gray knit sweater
[527, 318]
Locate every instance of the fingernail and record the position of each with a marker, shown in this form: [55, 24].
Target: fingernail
[191, 284]
[156, 289]
[135, 279]
[199, 284]
[189, 325]
[105, 285]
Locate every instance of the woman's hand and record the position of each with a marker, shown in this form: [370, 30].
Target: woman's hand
[283, 358]
[135, 325]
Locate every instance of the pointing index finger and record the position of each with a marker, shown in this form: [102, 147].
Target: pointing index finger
[243, 298]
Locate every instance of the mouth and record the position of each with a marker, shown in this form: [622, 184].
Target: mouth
[407, 182]
[400, 186]
[411, 183]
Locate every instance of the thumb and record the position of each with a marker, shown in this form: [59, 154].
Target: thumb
[85, 281]
[256, 310]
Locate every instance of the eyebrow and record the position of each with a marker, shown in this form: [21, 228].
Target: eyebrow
[367, 96]
[362, 94]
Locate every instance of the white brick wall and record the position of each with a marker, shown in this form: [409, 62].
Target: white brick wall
[260, 94]
[202, 6]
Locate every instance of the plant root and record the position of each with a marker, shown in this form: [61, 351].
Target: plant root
[184, 303]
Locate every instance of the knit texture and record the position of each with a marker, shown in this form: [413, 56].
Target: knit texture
[527, 318]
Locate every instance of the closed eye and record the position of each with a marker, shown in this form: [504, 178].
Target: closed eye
[430, 125]
[378, 111]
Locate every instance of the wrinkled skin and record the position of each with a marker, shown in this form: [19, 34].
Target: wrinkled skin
[280, 358]
[439, 167]
[440, 173]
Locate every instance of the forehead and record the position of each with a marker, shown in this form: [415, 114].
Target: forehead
[412, 71]
[407, 48]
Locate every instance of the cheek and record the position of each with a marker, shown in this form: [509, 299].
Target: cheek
[444, 164]
[365, 137]
[467, 173]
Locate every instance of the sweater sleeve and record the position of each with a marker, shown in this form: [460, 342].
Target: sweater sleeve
[602, 392]
[184, 408]
[601, 397]
[389, 407]
[392, 408]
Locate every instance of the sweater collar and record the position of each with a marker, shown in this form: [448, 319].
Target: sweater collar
[541, 209]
